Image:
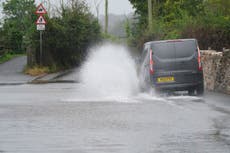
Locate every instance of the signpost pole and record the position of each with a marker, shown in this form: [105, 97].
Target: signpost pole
[41, 47]
[41, 26]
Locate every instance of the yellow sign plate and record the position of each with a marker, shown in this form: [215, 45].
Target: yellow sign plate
[165, 79]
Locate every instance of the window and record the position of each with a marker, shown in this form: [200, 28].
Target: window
[164, 50]
[185, 49]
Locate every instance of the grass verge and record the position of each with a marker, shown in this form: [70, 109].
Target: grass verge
[6, 57]
[37, 70]
[40, 70]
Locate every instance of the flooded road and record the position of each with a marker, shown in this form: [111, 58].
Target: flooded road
[56, 118]
[105, 112]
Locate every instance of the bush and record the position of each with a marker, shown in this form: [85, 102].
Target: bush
[207, 21]
[68, 36]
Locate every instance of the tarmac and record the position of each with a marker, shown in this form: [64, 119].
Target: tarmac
[11, 73]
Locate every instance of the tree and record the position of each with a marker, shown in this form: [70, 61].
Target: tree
[219, 6]
[206, 20]
[68, 36]
[17, 26]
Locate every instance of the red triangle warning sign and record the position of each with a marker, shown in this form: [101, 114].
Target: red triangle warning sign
[40, 9]
[41, 20]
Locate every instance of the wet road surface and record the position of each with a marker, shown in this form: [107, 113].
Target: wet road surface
[56, 118]
[11, 72]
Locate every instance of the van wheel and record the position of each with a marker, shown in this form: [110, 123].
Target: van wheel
[200, 90]
[191, 92]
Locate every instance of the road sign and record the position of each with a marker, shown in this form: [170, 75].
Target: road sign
[40, 9]
[41, 27]
[41, 20]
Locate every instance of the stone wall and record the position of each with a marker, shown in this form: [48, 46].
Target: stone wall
[216, 66]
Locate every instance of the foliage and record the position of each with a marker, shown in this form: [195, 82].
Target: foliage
[128, 32]
[68, 36]
[18, 28]
[111, 38]
[65, 40]
[208, 21]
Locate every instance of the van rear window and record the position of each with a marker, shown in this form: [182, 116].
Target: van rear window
[164, 50]
[179, 49]
[185, 49]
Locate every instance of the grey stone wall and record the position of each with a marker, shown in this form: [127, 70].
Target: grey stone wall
[216, 67]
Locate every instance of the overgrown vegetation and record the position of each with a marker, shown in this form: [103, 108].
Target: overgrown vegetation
[68, 36]
[66, 39]
[18, 25]
[206, 20]
[37, 70]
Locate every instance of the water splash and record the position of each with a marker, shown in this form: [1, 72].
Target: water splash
[109, 72]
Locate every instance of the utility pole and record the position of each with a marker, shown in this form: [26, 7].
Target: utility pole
[106, 16]
[150, 15]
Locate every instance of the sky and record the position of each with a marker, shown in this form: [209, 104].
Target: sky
[115, 6]
[119, 7]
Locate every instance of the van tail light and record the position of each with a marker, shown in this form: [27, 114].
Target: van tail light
[151, 62]
[199, 60]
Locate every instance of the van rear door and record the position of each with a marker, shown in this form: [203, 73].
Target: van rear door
[186, 55]
[164, 55]
[175, 59]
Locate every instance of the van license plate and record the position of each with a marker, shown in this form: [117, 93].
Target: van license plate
[165, 79]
